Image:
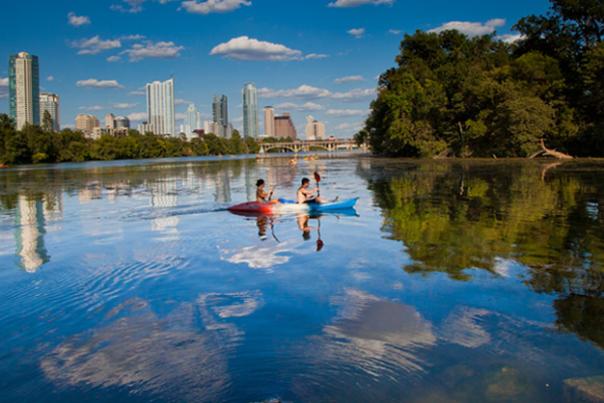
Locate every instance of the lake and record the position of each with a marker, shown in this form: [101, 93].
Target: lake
[450, 281]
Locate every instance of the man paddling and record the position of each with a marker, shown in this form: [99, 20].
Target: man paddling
[262, 196]
[307, 195]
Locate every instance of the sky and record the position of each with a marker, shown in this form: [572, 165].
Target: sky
[318, 57]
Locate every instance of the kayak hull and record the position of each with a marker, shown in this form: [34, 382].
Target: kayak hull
[288, 206]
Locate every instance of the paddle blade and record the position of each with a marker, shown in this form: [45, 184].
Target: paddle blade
[317, 177]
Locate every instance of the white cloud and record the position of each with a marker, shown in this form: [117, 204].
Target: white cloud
[316, 56]
[395, 31]
[354, 126]
[511, 38]
[213, 6]
[356, 32]
[50, 78]
[246, 48]
[180, 101]
[134, 37]
[150, 49]
[348, 79]
[471, 28]
[138, 92]
[94, 83]
[77, 20]
[357, 3]
[138, 116]
[113, 59]
[307, 106]
[346, 112]
[124, 105]
[3, 87]
[310, 92]
[91, 108]
[95, 45]
[303, 91]
[130, 6]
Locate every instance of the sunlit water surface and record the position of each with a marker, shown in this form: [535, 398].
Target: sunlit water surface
[477, 281]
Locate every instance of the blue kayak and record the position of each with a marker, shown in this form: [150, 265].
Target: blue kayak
[329, 206]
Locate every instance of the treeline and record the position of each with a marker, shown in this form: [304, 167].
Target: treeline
[33, 144]
[452, 95]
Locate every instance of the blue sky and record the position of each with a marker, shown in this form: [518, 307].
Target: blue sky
[318, 57]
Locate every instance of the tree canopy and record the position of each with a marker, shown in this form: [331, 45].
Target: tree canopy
[452, 95]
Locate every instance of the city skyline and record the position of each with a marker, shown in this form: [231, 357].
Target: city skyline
[97, 56]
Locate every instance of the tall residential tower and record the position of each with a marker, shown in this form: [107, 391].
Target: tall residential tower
[269, 121]
[250, 111]
[160, 107]
[24, 89]
[220, 115]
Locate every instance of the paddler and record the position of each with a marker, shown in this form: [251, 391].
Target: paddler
[262, 196]
[307, 195]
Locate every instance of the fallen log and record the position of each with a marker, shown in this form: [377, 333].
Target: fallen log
[553, 153]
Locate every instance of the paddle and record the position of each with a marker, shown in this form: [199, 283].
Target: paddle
[318, 180]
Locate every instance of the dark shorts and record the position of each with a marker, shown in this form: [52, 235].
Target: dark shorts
[311, 201]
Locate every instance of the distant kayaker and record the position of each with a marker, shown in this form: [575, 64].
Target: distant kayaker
[262, 196]
[306, 195]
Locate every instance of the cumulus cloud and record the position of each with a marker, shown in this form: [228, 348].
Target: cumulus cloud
[3, 87]
[129, 6]
[356, 32]
[50, 78]
[310, 92]
[124, 105]
[95, 45]
[246, 48]
[316, 56]
[114, 58]
[357, 3]
[138, 92]
[511, 38]
[213, 6]
[150, 49]
[307, 106]
[354, 126]
[471, 28]
[346, 112]
[395, 31]
[94, 83]
[348, 79]
[180, 101]
[138, 116]
[91, 108]
[77, 20]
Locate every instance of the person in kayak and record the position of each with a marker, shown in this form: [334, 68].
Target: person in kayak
[307, 195]
[262, 196]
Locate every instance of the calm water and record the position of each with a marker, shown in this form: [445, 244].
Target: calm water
[450, 282]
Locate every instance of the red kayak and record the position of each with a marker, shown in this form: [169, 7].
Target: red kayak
[252, 208]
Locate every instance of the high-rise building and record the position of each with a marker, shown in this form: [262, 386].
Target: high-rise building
[160, 107]
[24, 89]
[110, 121]
[192, 121]
[122, 122]
[284, 126]
[269, 121]
[50, 103]
[86, 123]
[250, 111]
[220, 115]
[315, 130]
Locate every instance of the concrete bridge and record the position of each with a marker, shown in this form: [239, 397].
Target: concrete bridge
[297, 146]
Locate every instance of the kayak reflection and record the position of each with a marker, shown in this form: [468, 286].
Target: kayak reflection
[307, 223]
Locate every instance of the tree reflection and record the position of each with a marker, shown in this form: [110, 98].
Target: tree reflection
[456, 216]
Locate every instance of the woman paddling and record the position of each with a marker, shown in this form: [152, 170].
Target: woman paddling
[262, 196]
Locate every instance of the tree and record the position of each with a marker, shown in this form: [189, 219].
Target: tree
[47, 122]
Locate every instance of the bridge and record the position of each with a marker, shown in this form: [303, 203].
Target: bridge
[296, 146]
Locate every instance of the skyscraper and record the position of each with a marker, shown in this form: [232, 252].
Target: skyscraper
[315, 130]
[110, 121]
[160, 107]
[122, 122]
[86, 123]
[24, 89]
[192, 120]
[284, 126]
[250, 111]
[50, 103]
[220, 115]
[269, 121]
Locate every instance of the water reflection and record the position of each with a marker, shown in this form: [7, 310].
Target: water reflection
[30, 233]
[170, 356]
